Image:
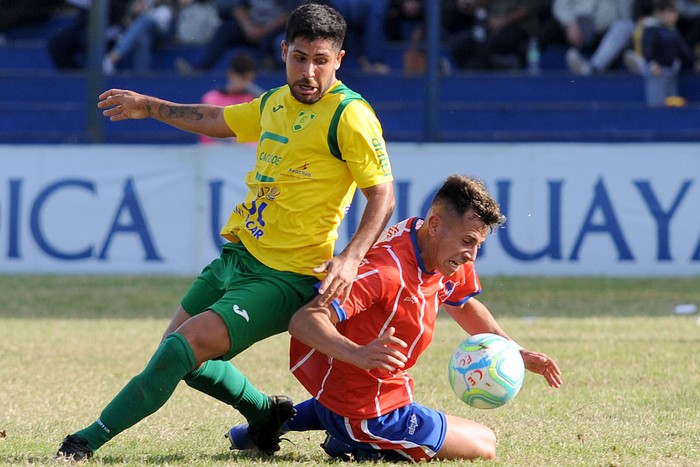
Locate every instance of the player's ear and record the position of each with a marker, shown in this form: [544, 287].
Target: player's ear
[284, 48]
[434, 221]
[339, 59]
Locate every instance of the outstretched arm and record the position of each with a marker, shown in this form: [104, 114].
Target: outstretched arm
[342, 269]
[120, 104]
[314, 326]
[475, 318]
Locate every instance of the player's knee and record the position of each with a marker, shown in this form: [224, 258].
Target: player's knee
[469, 440]
[488, 444]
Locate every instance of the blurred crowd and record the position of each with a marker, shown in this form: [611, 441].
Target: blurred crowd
[647, 37]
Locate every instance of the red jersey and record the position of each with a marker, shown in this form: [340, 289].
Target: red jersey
[392, 288]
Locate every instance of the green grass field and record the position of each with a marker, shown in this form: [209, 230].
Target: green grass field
[631, 393]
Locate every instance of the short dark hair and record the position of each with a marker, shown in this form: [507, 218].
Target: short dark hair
[664, 5]
[243, 63]
[460, 194]
[313, 21]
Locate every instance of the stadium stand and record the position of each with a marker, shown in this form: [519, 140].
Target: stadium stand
[40, 105]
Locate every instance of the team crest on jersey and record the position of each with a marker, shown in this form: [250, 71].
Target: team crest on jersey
[303, 120]
[446, 291]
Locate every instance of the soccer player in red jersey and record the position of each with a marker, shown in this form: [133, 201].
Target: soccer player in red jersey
[353, 358]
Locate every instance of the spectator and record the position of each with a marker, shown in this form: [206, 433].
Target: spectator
[16, 13]
[499, 35]
[68, 47]
[148, 23]
[255, 23]
[240, 86]
[664, 52]
[616, 39]
[403, 18]
[366, 38]
[581, 24]
[196, 21]
[457, 17]
[689, 23]
[153, 23]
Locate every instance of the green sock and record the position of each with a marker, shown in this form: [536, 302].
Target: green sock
[221, 380]
[145, 393]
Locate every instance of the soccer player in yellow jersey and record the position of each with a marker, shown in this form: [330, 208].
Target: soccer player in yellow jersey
[317, 141]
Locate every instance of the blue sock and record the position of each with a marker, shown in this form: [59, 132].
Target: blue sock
[306, 418]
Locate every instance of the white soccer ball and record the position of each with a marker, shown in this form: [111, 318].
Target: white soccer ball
[486, 371]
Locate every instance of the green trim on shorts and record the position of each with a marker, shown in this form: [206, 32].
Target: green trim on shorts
[254, 300]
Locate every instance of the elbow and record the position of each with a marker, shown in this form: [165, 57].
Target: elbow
[389, 202]
[391, 205]
[293, 327]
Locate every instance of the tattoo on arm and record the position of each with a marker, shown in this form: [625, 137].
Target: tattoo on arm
[179, 112]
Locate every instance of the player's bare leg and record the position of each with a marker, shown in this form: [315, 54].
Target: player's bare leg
[466, 439]
[179, 317]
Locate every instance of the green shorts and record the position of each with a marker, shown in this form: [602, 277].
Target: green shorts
[255, 301]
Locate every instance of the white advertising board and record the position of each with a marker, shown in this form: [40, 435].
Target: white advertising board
[573, 209]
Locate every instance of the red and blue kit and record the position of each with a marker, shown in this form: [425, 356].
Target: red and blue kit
[392, 289]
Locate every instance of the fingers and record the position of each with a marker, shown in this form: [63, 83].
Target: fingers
[333, 286]
[383, 353]
[389, 364]
[105, 94]
[541, 364]
[330, 292]
[552, 373]
[107, 98]
[324, 283]
[392, 339]
[112, 105]
[387, 344]
[387, 358]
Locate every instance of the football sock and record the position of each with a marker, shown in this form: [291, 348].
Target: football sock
[306, 418]
[145, 393]
[223, 381]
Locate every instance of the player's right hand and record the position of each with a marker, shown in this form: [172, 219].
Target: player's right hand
[383, 353]
[542, 364]
[120, 104]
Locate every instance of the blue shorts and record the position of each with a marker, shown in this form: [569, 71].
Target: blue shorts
[413, 431]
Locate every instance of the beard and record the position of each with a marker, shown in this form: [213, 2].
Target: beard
[305, 98]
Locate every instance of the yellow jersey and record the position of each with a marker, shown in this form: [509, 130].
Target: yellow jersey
[310, 159]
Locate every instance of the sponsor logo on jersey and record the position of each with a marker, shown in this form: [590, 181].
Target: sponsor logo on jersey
[300, 171]
[277, 107]
[254, 223]
[382, 156]
[303, 120]
[270, 158]
[266, 191]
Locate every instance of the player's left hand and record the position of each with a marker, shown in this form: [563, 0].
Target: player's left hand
[340, 274]
[541, 364]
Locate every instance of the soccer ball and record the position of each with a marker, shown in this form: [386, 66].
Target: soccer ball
[486, 371]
